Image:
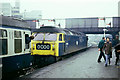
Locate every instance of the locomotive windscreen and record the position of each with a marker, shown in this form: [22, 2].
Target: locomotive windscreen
[45, 36]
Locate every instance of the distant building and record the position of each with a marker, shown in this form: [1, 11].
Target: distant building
[16, 10]
[119, 9]
[16, 13]
[32, 17]
[6, 9]
[117, 23]
[35, 14]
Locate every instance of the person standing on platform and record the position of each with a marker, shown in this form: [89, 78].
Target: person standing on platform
[116, 46]
[108, 51]
[116, 40]
[117, 52]
[100, 46]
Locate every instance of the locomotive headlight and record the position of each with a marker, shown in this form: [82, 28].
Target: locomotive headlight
[53, 45]
[33, 46]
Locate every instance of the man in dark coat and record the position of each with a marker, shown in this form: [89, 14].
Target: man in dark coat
[116, 40]
[117, 52]
[108, 50]
[115, 43]
[100, 46]
[28, 39]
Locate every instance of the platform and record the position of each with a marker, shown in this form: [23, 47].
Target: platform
[82, 65]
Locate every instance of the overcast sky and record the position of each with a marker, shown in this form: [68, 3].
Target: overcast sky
[71, 8]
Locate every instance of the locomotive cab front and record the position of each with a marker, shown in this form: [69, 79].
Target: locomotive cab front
[45, 44]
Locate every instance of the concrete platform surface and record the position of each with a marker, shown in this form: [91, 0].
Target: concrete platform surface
[83, 65]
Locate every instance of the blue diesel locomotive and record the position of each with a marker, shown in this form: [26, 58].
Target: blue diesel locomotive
[50, 41]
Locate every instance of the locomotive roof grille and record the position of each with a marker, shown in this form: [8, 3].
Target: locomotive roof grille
[52, 29]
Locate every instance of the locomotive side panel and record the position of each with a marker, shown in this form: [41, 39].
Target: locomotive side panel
[74, 43]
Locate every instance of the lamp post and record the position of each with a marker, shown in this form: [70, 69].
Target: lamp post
[104, 31]
[104, 26]
[39, 19]
[2, 13]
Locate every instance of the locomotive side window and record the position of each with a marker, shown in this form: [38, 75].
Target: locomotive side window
[17, 42]
[27, 41]
[60, 37]
[3, 42]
